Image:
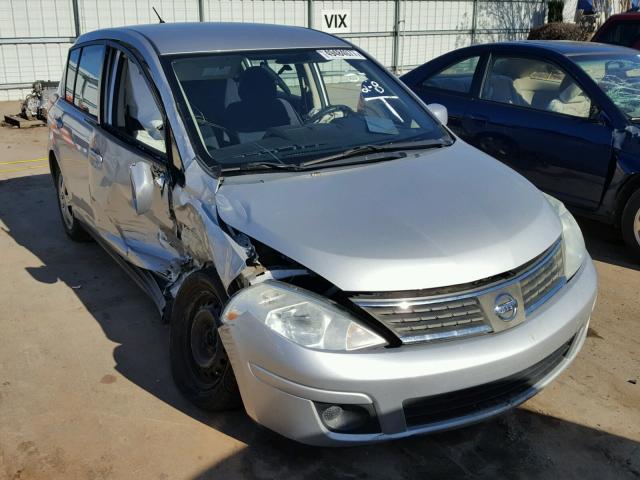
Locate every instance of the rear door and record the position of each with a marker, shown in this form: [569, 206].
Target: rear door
[451, 86]
[131, 156]
[534, 116]
[75, 121]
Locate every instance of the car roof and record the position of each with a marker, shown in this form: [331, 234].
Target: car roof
[627, 16]
[563, 47]
[174, 38]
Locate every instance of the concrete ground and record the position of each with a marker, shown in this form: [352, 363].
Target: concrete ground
[86, 391]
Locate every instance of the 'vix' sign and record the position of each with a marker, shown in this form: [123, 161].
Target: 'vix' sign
[336, 21]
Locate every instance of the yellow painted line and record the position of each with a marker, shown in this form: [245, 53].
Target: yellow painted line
[25, 161]
[23, 169]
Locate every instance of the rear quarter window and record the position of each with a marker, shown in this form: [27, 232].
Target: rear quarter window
[70, 76]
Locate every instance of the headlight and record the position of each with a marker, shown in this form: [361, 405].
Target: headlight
[572, 240]
[301, 316]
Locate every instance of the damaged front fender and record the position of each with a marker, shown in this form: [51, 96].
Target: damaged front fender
[204, 238]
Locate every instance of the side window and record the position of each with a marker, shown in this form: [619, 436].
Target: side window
[535, 84]
[70, 76]
[625, 34]
[87, 89]
[456, 78]
[136, 114]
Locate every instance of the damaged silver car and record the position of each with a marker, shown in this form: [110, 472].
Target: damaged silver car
[325, 250]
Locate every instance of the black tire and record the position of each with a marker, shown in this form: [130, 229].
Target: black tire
[199, 362]
[71, 225]
[630, 224]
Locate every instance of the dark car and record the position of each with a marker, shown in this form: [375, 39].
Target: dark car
[564, 114]
[622, 29]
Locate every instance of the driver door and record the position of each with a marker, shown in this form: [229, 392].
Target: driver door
[129, 175]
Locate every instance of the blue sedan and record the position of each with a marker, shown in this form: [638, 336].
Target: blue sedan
[564, 114]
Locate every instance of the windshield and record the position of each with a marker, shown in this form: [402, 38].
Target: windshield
[619, 77]
[296, 106]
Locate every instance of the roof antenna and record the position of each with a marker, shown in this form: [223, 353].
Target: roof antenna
[158, 15]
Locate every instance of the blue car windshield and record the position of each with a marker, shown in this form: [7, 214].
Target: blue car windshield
[296, 106]
[619, 78]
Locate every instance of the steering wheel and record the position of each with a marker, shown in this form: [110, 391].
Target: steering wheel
[328, 110]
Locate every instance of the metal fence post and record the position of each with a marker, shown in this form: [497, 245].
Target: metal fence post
[395, 53]
[310, 13]
[201, 10]
[76, 17]
[474, 21]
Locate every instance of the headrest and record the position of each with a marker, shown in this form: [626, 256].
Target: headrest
[568, 90]
[256, 84]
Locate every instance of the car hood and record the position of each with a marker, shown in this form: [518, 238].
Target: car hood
[435, 218]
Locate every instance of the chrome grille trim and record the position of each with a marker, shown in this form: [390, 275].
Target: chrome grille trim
[547, 278]
[461, 314]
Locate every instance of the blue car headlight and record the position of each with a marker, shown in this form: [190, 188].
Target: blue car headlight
[573, 245]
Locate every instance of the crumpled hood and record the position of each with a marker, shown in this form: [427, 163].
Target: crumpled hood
[436, 218]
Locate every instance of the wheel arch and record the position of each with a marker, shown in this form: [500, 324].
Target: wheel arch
[54, 167]
[626, 191]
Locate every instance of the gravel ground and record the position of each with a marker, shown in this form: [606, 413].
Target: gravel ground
[86, 391]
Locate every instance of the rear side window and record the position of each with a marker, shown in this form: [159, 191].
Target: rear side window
[70, 77]
[456, 78]
[87, 88]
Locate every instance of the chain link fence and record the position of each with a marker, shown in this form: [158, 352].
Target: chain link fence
[35, 35]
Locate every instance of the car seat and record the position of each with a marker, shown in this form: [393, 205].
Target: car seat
[500, 88]
[571, 100]
[259, 107]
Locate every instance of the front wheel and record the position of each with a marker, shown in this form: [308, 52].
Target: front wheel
[631, 224]
[199, 362]
[70, 224]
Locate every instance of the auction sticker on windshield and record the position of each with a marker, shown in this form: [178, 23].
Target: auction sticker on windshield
[341, 53]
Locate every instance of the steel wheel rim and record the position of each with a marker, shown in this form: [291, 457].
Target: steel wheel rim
[204, 341]
[636, 226]
[65, 203]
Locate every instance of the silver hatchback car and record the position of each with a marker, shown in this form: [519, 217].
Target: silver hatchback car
[323, 247]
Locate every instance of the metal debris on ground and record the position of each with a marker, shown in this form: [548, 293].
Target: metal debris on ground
[33, 111]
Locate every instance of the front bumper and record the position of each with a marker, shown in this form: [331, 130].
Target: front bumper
[281, 382]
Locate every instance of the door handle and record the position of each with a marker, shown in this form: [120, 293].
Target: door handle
[95, 157]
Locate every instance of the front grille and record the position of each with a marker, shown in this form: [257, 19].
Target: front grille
[454, 312]
[543, 282]
[433, 321]
[452, 405]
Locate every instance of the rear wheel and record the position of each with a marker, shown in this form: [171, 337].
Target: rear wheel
[70, 224]
[199, 362]
[631, 224]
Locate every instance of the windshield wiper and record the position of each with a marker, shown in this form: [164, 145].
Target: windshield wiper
[391, 147]
[259, 165]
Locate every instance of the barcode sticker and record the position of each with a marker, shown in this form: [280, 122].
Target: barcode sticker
[341, 53]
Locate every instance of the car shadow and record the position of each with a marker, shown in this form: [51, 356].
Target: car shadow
[519, 444]
[605, 244]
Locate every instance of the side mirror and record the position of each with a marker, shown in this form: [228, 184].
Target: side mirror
[141, 187]
[439, 111]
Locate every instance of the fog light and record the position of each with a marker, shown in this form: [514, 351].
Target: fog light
[348, 418]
